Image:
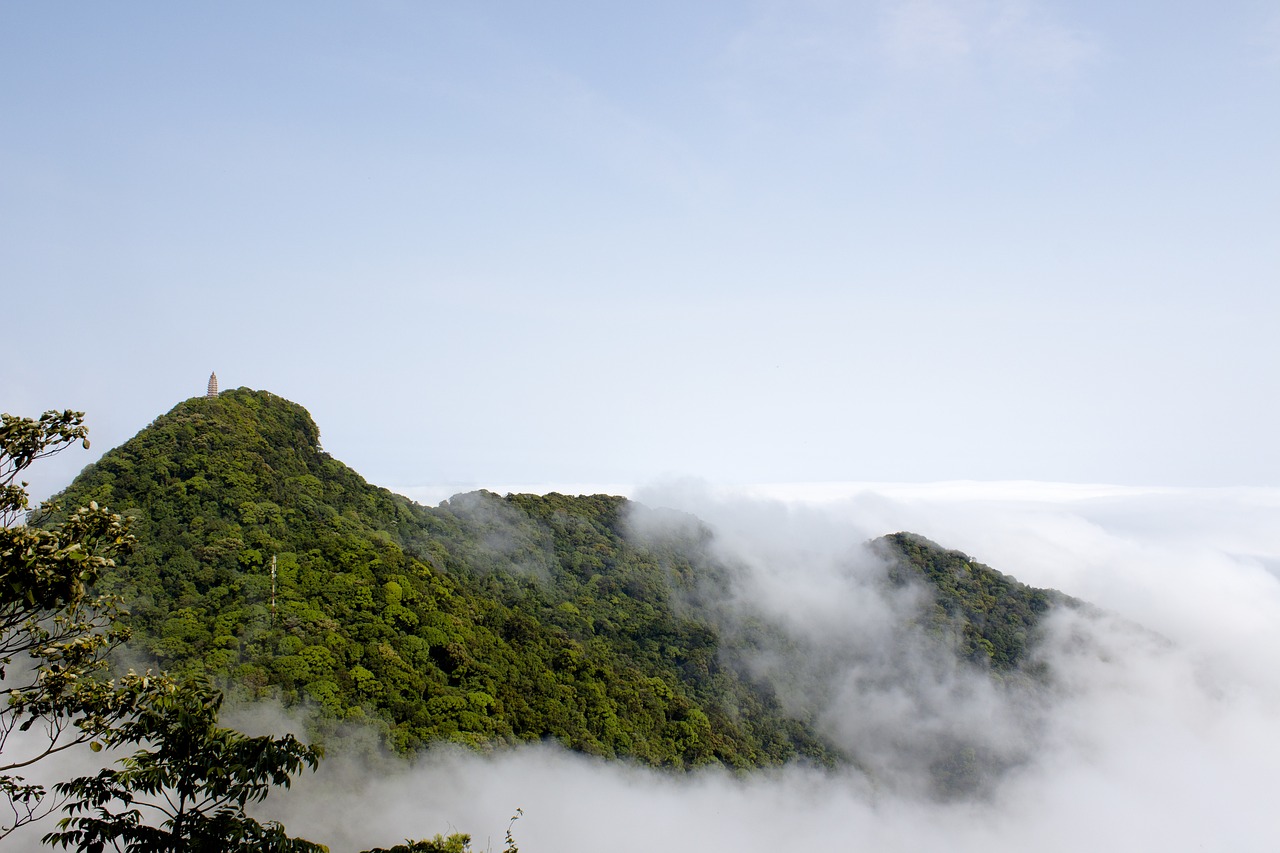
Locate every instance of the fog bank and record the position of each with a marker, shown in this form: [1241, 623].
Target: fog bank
[1162, 732]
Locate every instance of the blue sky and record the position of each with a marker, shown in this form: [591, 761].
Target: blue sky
[749, 242]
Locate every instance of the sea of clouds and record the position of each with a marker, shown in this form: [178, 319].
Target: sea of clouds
[1162, 729]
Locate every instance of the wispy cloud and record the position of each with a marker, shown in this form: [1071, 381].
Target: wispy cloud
[1266, 41]
[1008, 37]
[918, 33]
[966, 59]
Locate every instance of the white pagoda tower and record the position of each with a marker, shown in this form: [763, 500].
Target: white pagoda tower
[213, 385]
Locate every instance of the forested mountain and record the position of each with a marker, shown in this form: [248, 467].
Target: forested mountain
[993, 616]
[273, 569]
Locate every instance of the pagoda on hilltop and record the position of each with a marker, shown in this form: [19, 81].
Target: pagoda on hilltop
[213, 386]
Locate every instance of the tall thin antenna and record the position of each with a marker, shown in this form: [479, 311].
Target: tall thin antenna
[273, 585]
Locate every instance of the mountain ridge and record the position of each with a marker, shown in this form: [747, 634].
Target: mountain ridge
[275, 570]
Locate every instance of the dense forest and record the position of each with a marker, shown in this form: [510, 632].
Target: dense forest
[274, 570]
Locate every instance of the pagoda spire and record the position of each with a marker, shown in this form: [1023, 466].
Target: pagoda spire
[213, 385]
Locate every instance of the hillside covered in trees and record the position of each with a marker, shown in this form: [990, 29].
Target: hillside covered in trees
[276, 571]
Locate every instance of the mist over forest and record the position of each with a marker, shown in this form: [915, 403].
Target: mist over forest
[1160, 733]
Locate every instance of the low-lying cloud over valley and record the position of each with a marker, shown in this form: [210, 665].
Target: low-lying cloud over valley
[1159, 729]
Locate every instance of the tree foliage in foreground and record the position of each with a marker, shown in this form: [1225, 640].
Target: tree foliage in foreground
[55, 691]
[188, 788]
[55, 636]
[458, 842]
